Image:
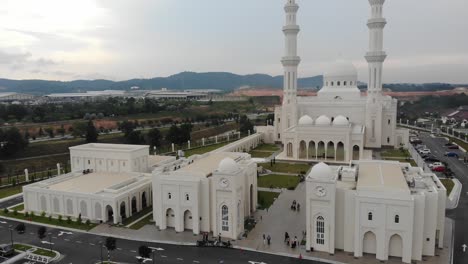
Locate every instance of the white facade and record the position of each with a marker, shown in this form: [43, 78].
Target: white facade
[384, 208]
[214, 192]
[370, 119]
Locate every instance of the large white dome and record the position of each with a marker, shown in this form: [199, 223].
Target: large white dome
[340, 121]
[341, 69]
[306, 121]
[323, 120]
[321, 171]
[228, 165]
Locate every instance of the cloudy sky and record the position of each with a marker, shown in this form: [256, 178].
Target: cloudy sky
[426, 40]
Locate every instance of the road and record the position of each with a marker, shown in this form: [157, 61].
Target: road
[11, 202]
[85, 248]
[460, 214]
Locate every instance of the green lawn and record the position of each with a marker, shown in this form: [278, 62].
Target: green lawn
[278, 181]
[9, 191]
[204, 149]
[395, 153]
[448, 183]
[268, 147]
[286, 167]
[266, 199]
[38, 251]
[21, 247]
[18, 207]
[45, 220]
[145, 221]
[136, 216]
[260, 154]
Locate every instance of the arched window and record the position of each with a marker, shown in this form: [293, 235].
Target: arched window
[331, 83]
[89, 162]
[369, 216]
[338, 83]
[187, 197]
[389, 121]
[169, 196]
[344, 83]
[225, 218]
[397, 219]
[320, 230]
[388, 140]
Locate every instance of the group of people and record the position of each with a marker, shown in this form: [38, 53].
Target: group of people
[288, 241]
[266, 239]
[295, 206]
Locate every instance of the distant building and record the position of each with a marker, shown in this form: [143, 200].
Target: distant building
[87, 96]
[10, 97]
[384, 208]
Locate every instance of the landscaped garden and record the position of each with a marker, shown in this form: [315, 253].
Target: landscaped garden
[37, 251]
[264, 150]
[145, 221]
[266, 199]
[449, 184]
[278, 181]
[9, 191]
[203, 150]
[296, 168]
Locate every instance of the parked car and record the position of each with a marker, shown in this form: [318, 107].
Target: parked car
[418, 147]
[451, 154]
[6, 250]
[436, 164]
[453, 147]
[424, 151]
[438, 168]
[448, 144]
[449, 173]
[415, 141]
[431, 158]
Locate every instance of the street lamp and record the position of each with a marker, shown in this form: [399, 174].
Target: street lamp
[153, 254]
[50, 242]
[100, 246]
[11, 235]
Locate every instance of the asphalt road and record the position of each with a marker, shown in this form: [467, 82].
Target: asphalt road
[460, 214]
[11, 202]
[85, 248]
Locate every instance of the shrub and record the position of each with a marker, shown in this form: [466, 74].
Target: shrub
[69, 220]
[88, 222]
[79, 220]
[60, 218]
[15, 212]
[5, 210]
[43, 214]
[13, 182]
[26, 214]
[50, 218]
[32, 214]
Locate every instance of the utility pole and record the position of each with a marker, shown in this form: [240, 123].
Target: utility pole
[11, 235]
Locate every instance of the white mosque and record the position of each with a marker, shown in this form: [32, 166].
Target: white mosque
[340, 122]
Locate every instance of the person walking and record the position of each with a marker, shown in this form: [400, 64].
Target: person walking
[269, 239]
[264, 239]
[286, 236]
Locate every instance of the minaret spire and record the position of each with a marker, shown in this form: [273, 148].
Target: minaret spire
[375, 58]
[290, 63]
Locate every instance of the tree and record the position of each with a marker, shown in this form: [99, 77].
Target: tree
[12, 141]
[61, 131]
[79, 129]
[172, 135]
[185, 132]
[154, 137]
[144, 251]
[20, 228]
[135, 138]
[41, 232]
[41, 132]
[245, 125]
[111, 245]
[127, 127]
[91, 132]
[50, 132]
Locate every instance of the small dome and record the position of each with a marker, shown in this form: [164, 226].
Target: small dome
[228, 165]
[306, 121]
[340, 121]
[321, 171]
[341, 68]
[323, 120]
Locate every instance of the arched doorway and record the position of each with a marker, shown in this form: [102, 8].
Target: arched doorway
[321, 150]
[312, 152]
[98, 211]
[369, 243]
[83, 209]
[302, 150]
[251, 199]
[356, 151]
[134, 205]
[395, 246]
[43, 204]
[109, 213]
[340, 152]
[331, 150]
[143, 200]
[123, 213]
[170, 218]
[56, 205]
[289, 150]
[69, 207]
[188, 221]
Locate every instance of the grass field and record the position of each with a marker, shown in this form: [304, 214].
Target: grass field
[145, 221]
[136, 216]
[268, 147]
[448, 183]
[260, 154]
[266, 199]
[395, 153]
[278, 181]
[9, 191]
[286, 167]
[53, 221]
[18, 207]
[204, 149]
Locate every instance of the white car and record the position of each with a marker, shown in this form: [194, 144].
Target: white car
[436, 164]
[425, 151]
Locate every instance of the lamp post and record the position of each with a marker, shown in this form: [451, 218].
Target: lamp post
[153, 254]
[50, 241]
[100, 246]
[11, 235]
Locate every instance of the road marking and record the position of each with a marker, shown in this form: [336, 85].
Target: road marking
[119, 249]
[255, 262]
[79, 242]
[68, 240]
[91, 244]
[46, 242]
[134, 251]
[64, 233]
[180, 259]
[31, 233]
[162, 256]
[158, 249]
[54, 237]
[196, 261]
[3, 222]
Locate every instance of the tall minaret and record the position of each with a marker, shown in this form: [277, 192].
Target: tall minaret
[290, 62]
[375, 58]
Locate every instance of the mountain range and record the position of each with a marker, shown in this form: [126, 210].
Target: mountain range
[224, 81]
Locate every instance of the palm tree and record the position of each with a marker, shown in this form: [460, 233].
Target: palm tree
[41, 232]
[111, 244]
